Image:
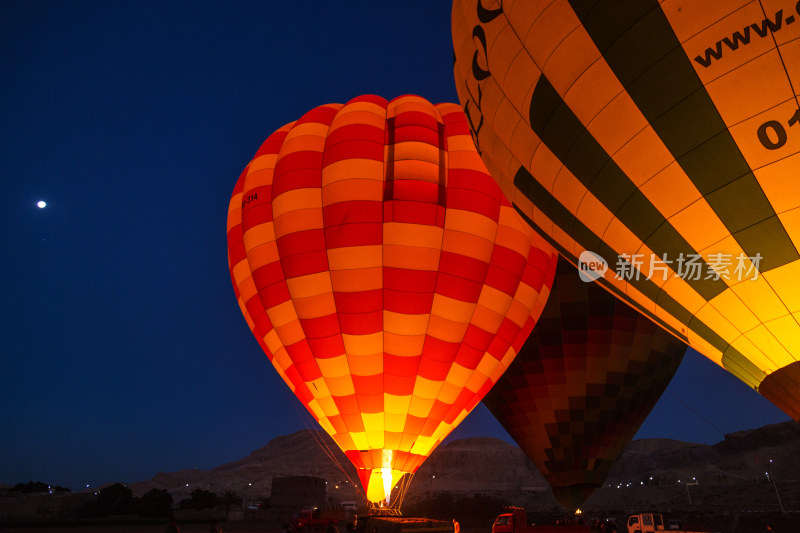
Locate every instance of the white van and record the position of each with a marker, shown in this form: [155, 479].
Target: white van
[348, 506]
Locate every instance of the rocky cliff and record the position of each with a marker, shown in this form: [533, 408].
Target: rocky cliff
[653, 471]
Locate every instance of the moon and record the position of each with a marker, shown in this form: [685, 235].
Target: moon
[41, 204]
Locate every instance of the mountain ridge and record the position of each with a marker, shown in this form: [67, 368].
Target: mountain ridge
[489, 465]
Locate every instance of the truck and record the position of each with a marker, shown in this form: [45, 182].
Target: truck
[317, 519]
[651, 522]
[516, 521]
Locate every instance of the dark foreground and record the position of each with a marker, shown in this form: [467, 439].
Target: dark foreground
[732, 523]
[143, 527]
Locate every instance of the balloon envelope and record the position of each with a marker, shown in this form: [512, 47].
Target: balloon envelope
[384, 274]
[656, 142]
[582, 384]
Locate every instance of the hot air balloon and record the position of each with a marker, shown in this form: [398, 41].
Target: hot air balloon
[655, 144]
[384, 274]
[582, 384]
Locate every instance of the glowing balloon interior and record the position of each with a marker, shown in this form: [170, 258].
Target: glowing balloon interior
[384, 274]
[662, 136]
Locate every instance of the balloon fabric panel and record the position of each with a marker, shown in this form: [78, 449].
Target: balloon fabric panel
[384, 274]
[582, 384]
[651, 133]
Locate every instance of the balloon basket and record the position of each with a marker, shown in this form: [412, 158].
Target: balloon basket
[375, 510]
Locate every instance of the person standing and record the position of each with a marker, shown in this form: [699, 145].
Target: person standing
[332, 527]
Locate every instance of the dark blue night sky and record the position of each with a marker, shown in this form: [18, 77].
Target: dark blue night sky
[122, 349]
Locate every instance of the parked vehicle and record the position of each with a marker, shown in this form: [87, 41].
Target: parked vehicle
[651, 522]
[516, 521]
[317, 519]
[349, 506]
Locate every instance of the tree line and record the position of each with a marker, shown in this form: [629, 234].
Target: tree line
[37, 486]
[118, 499]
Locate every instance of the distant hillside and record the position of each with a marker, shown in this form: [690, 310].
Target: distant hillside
[478, 465]
[303, 453]
[738, 457]
[731, 472]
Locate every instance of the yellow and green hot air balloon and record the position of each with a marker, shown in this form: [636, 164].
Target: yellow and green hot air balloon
[655, 144]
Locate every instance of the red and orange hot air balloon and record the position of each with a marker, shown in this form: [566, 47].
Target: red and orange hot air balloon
[384, 274]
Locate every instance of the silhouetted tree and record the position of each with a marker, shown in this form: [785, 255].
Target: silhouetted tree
[31, 487]
[37, 486]
[155, 503]
[200, 499]
[229, 498]
[114, 499]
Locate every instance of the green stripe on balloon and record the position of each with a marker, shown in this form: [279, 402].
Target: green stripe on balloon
[638, 43]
